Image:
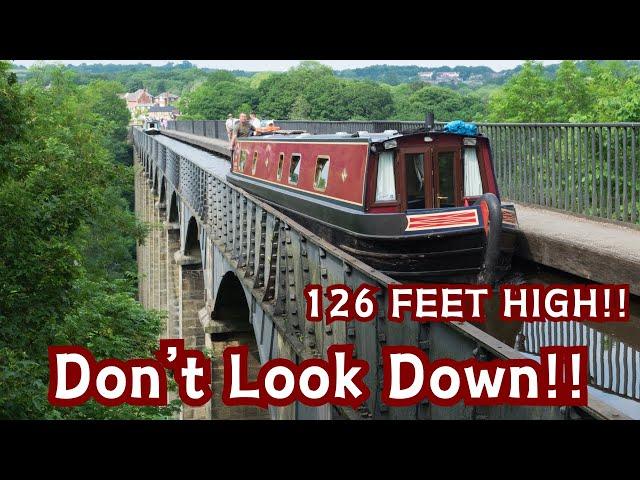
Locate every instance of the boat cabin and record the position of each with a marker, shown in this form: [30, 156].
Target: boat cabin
[378, 173]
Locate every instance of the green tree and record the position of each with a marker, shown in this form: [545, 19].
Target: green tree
[614, 90]
[312, 91]
[61, 189]
[218, 76]
[258, 78]
[111, 114]
[301, 109]
[367, 100]
[13, 112]
[570, 95]
[445, 104]
[216, 100]
[278, 93]
[133, 84]
[524, 98]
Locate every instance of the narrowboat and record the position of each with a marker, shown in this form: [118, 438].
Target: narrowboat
[151, 127]
[419, 206]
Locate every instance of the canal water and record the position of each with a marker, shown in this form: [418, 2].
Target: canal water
[614, 347]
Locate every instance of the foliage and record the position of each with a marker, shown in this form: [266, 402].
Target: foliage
[102, 99]
[525, 97]
[175, 78]
[569, 91]
[12, 107]
[67, 238]
[446, 104]
[396, 75]
[587, 92]
[310, 91]
[216, 98]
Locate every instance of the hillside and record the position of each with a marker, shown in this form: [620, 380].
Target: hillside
[182, 77]
[395, 75]
[472, 76]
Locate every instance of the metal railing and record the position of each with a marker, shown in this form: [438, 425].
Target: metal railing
[613, 364]
[590, 169]
[276, 258]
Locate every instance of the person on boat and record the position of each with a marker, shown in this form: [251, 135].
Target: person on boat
[243, 128]
[269, 127]
[255, 121]
[229, 125]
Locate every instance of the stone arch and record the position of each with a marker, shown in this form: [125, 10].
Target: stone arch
[155, 180]
[192, 303]
[231, 311]
[230, 326]
[163, 190]
[174, 212]
[192, 239]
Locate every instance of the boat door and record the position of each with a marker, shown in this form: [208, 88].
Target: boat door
[416, 170]
[433, 175]
[447, 177]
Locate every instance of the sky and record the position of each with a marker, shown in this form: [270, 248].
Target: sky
[281, 65]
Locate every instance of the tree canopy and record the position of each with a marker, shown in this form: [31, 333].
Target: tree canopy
[445, 104]
[309, 91]
[599, 92]
[67, 238]
[570, 91]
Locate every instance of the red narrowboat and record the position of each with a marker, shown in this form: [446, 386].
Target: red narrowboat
[422, 205]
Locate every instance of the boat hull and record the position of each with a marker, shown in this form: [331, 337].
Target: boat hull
[446, 251]
[456, 257]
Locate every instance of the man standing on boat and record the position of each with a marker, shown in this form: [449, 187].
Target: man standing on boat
[241, 129]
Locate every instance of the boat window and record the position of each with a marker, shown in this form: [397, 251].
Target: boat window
[255, 163]
[280, 163]
[472, 179]
[322, 173]
[294, 169]
[243, 160]
[446, 189]
[414, 167]
[386, 182]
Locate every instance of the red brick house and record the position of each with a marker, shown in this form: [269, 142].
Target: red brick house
[137, 99]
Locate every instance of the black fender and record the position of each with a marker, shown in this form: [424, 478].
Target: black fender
[493, 230]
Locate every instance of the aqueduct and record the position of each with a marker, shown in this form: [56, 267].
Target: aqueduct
[229, 269]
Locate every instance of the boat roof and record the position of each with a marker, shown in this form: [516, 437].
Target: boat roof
[357, 137]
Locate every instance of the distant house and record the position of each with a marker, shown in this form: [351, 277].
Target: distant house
[158, 112]
[140, 99]
[475, 79]
[448, 77]
[439, 77]
[165, 99]
[141, 103]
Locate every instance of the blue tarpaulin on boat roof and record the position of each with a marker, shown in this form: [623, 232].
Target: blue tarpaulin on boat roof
[461, 128]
